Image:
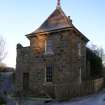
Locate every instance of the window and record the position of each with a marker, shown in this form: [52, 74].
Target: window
[49, 73]
[79, 49]
[49, 47]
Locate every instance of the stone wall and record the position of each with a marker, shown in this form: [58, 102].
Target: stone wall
[98, 84]
[66, 61]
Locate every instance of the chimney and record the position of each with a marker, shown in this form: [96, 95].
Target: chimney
[69, 20]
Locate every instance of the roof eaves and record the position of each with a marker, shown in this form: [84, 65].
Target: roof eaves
[82, 35]
[47, 32]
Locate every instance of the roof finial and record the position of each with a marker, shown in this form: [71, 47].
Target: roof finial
[58, 3]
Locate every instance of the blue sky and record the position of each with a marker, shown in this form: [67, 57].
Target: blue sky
[19, 17]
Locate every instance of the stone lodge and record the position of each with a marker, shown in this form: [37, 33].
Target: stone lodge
[54, 65]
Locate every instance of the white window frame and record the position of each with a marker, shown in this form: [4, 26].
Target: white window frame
[48, 50]
[79, 49]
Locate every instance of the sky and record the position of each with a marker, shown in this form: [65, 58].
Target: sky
[20, 17]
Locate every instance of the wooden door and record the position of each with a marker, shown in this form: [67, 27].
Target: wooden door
[25, 81]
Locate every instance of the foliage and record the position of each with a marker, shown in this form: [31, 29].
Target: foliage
[99, 51]
[2, 101]
[95, 63]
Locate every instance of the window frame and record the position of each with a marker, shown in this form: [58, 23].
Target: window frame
[48, 47]
[49, 73]
[79, 49]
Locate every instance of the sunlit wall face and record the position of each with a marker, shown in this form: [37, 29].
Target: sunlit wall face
[38, 44]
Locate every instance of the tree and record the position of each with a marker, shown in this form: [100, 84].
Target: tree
[2, 101]
[95, 63]
[3, 51]
[99, 51]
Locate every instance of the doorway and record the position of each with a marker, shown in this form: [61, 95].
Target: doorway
[25, 81]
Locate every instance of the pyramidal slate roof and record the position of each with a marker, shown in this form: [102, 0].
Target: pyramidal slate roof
[57, 20]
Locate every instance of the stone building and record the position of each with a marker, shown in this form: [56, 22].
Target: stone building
[54, 65]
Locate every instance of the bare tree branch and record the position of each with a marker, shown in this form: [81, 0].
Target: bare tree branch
[3, 51]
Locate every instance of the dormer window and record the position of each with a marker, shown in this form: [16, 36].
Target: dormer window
[49, 47]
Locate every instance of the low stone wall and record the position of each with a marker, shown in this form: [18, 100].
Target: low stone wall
[98, 84]
[86, 87]
[67, 91]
